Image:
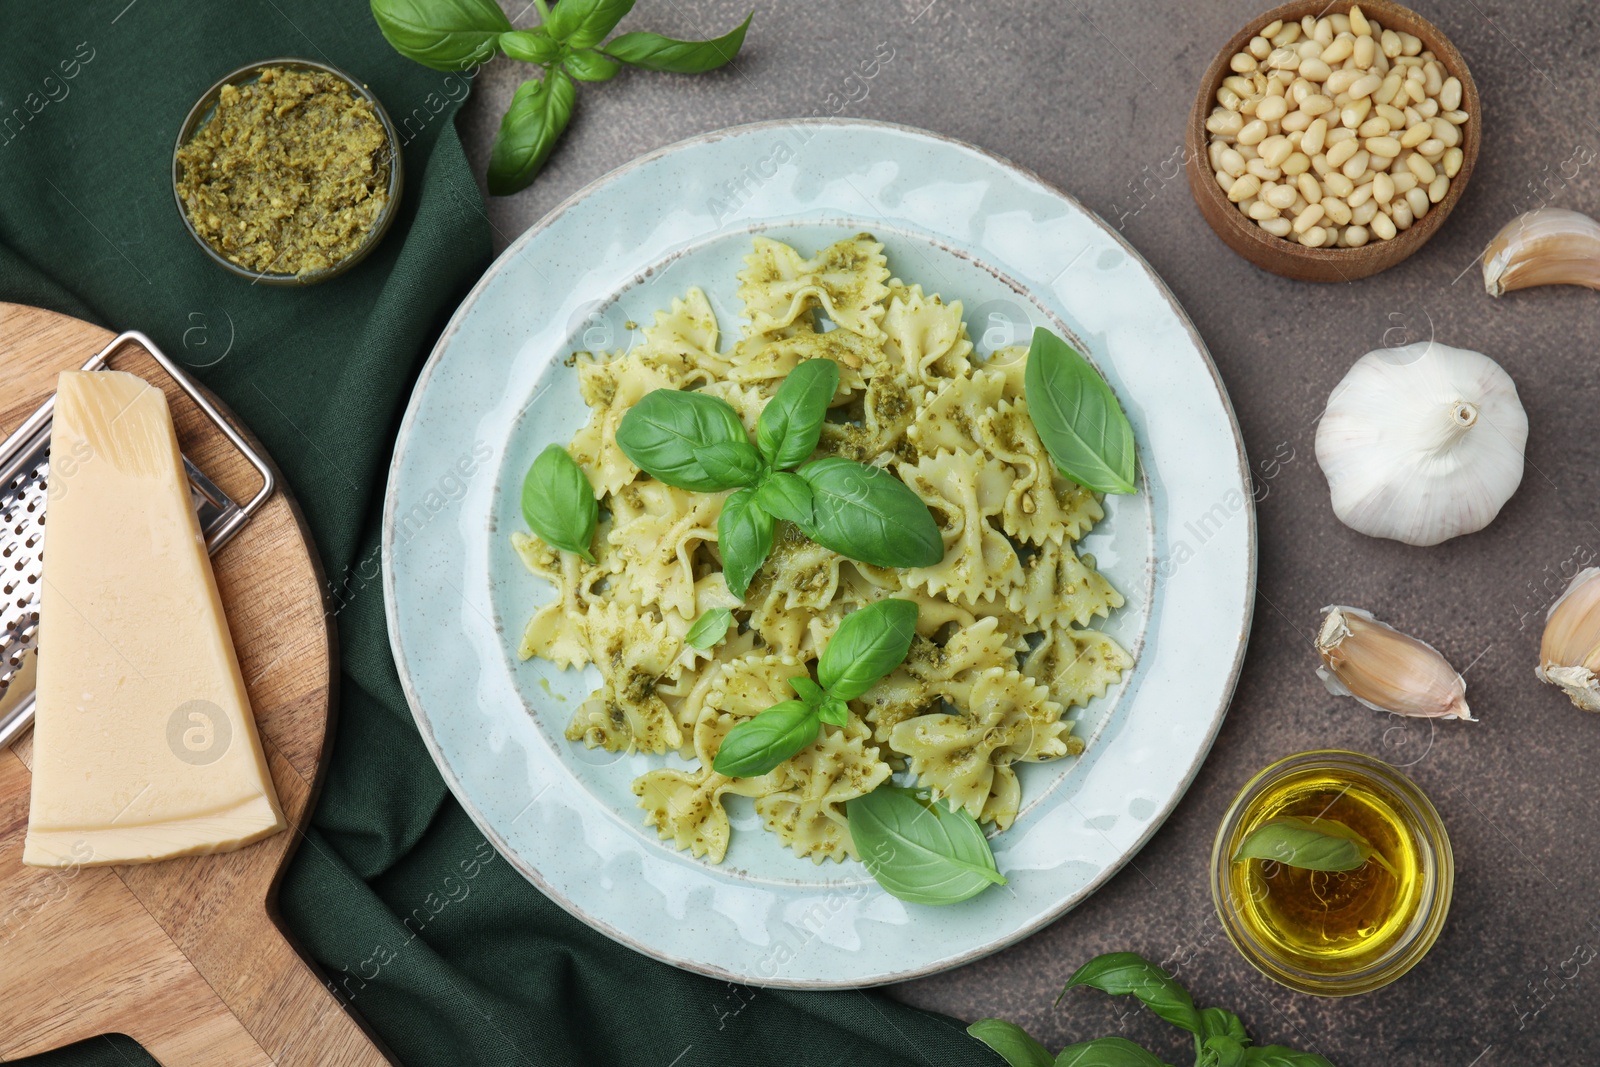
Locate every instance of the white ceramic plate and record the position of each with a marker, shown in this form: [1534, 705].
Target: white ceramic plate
[496, 390]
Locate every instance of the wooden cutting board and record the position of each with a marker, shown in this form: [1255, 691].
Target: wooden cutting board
[188, 957]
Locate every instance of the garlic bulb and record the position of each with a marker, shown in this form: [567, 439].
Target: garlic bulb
[1387, 670]
[1422, 443]
[1569, 653]
[1549, 246]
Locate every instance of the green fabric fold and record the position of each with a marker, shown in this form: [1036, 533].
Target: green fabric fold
[450, 955]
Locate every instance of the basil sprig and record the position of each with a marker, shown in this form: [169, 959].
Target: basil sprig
[1077, 416]
[1220, 1039]
[709, 629]
[457, 35]
[918, 849]
[872, 639]
[1309, 844]
[558, 502]
[696, 441]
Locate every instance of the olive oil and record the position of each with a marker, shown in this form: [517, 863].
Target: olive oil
[1330, 921]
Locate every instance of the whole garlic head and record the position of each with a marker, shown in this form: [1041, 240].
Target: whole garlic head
[1422, 443]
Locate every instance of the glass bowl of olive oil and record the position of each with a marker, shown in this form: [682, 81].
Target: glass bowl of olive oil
[1334, 933]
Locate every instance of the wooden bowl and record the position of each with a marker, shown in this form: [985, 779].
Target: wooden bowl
[1279, 254]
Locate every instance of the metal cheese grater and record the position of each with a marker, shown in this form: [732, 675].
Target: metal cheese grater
[24, 485]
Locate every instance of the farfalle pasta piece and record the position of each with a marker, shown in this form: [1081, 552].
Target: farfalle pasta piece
[1041, 506]
[808, 813]
[924, 335]
[633, 652]
[846, 280]
[1012, 363]
[766, 360]
[686, 806]
[655, 530]
[950, 420]
[611, 387]
[1076, 665]
[1060, 587]
[964, 490]
[887, 407]
[683, 342]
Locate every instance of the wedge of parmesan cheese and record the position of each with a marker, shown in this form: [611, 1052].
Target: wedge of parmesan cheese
[144, 744]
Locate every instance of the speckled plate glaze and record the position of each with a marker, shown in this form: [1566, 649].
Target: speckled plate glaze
[498, 388]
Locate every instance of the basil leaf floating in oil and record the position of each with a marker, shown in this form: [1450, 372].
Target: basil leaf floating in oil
[786, 496]
[868, 514]
[558, 502]
[1077, 416]
[1311, 845]
[1012, 1043]
[791, 423]
[449, 35]
[667, 430]
[709, 629]
[757, 745]
[536, 119]
[870, 642]
[1107, 1052]
[651, 51]
[744, 537]
[1129, 972]
[918, 850]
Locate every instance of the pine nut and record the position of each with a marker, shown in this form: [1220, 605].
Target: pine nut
[1340, 133]
[1296, 164]
[1387, 147]
[1361, 194]
[1418, 201]
[1259, 47]
[1280, 196]
[1313, 237]
[1336, 210]
[1410, 45]
[1275, 149]
[1242, 63]
[1391, 43]
[1387, 91]
[1421, 168]
[1444, 131]
[1314, 69]
[1244, 188]
[1260, 210]
[1295, 121]
[1340, 50]
[1455, 118]
[1365, 86]
[1437, 188]
[1231, 161]
[1283, 59]
[1315, 137]
[1354, 237]
[1308, 187]
[1358, 22]
[1337, 184]
[1338, 154]
[1400, 212]
[1364, 214]
[1431, 149]
[1355, 112]
[1286, 36]
[1383, 226]
[1278, 227]
[1449, 94]
[1261, 169]
[1272, 109]
[1225, 180]
[1382, 188]
[1364, 52]
[1416, 135]
[1308, 218]
[1316, 104]
[1453, 158]
[1377, 126]
[1356, 165]
[1404, 181]
[1228, 98]
[1340, 81]
[1319, 163]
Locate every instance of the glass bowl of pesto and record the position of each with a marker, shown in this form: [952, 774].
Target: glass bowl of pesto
[1333, 928]
[287, 172]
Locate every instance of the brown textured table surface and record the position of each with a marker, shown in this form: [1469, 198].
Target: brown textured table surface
[1092, 95]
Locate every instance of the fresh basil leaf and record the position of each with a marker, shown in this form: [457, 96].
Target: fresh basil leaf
[744, 537]
[1078, 418]
[651, 51]
[1334, 828]
[791, 423]
[786, 496]
[1014, 1044]
[591, 66]
[919, 851]
[1129, 972]
[733, 463]
[808, 691]
[868, 514]
[1222, 1051]
[447, 35]
[536, 119]
[530, 46]
[709, 629]
[1215, 1022]
[757, 745]
[1296, 844]
[834, 712]
[666, 431]
[585, 23]
[870, 642]
[1279, 1056]
[1106, 1052]
[558, 502]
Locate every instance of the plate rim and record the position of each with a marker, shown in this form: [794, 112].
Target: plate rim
[424, 727]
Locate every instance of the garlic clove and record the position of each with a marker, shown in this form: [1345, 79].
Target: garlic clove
[1387, 670]
[1548, 246]
[1422, 443]
[1569, 652]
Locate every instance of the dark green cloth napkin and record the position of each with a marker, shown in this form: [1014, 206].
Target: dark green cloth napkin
[450, 955]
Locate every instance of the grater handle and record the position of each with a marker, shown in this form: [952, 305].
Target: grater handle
[229, 520]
